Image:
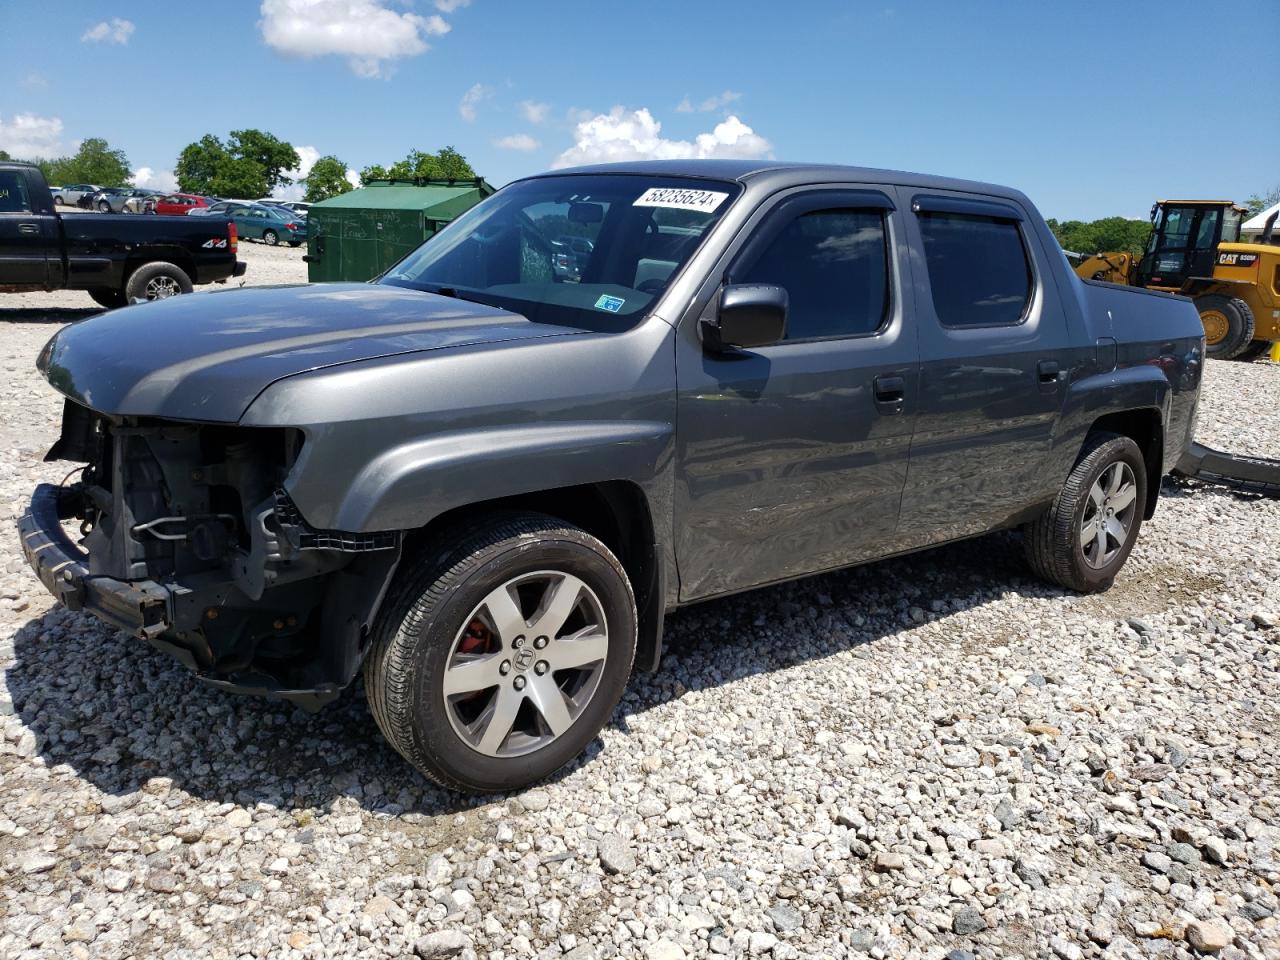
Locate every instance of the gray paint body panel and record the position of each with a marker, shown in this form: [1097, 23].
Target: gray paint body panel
[767, 466]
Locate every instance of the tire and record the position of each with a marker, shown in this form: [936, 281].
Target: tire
[104, 207]
[270, 238]
[107, 297]
[439, 605]
[156, 281]
[1228, 325]
[1053, 542]
[1258, 348]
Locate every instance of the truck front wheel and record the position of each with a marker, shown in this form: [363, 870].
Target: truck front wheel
[498, 657]
[157, 281]
[1084, 538]
[1228, 325]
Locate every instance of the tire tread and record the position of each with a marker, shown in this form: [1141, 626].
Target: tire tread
[419, 590]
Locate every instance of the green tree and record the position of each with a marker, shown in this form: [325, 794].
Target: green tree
[328, 178]
[448, 164]
[1257, 204]
[453, 165]
[200, 163]
[4, 155]
[239, 177]
[94, 162]
[272, 154]
[1097, 236]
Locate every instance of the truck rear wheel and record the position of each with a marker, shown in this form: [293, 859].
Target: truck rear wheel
[498, 658]
[157, 281]
[1228, 325]
[107, 297]
[1084, 538]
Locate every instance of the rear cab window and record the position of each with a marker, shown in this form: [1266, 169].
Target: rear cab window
[979, 269]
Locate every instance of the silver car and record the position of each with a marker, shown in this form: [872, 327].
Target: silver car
[222, 208]
[116, 199]
[70, 195]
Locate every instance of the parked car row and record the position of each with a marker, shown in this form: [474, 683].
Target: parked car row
[271, 221]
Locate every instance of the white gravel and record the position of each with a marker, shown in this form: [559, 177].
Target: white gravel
[932, 757]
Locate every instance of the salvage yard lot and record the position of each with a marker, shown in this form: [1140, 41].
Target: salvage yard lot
[905, 759]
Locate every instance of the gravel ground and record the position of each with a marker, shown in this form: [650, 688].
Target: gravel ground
[930, 757]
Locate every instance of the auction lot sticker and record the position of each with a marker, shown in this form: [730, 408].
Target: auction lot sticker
[679, 198]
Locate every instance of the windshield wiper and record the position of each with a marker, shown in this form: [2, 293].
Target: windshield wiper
[456, 294]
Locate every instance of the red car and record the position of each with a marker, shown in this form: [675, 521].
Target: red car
[178, 204]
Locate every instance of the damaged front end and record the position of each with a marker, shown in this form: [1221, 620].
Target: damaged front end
[187, 539]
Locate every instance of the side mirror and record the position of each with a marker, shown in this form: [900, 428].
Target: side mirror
[749, 315]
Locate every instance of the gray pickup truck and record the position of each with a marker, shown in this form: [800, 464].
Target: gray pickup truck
[486, 480]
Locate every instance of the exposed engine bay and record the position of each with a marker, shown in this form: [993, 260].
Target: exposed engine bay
[234, 582]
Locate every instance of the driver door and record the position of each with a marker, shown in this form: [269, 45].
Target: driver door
[792, 458]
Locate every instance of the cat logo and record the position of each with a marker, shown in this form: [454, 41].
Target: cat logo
[1237, 259]
[216, 242]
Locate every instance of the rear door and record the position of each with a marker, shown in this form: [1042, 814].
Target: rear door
[28, 234]
[792, 457]
[993, 338]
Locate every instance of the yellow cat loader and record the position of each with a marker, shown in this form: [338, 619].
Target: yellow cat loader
[1195, 250]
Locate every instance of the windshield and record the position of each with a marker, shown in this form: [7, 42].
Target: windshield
[582, 251]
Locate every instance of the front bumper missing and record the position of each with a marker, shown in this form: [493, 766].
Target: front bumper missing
[141, 609]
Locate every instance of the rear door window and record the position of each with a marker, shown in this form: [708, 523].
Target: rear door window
[979, 274]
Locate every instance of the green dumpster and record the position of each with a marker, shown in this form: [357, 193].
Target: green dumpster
[357, 235]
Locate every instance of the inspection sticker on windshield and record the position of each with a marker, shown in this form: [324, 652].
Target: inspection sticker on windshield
[678, 198]
[612, 304]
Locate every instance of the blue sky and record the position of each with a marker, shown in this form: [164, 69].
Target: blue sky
[1091, 111]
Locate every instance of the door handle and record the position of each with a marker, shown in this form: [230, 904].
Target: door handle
[1048, 370]
[28, 228]
[890, 393]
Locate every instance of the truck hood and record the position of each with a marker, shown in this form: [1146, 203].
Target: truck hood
[206, 357]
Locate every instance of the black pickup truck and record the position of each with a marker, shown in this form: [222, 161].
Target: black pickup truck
[116, 258]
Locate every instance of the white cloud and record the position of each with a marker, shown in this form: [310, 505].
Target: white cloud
[34, 81]
[534, 112]
[448, 6]
[622, 135]
[148, 178]
[29, 137]
[709, 105]
[307, 157]
[517, 141]
[471, 99]
[353, 177]
[114, 31]
[364, 31]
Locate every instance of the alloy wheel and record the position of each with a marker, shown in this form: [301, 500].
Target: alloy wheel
[1108, 515]
[526, 663]
[162, 287]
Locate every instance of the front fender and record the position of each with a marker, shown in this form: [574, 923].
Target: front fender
[409, 485]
